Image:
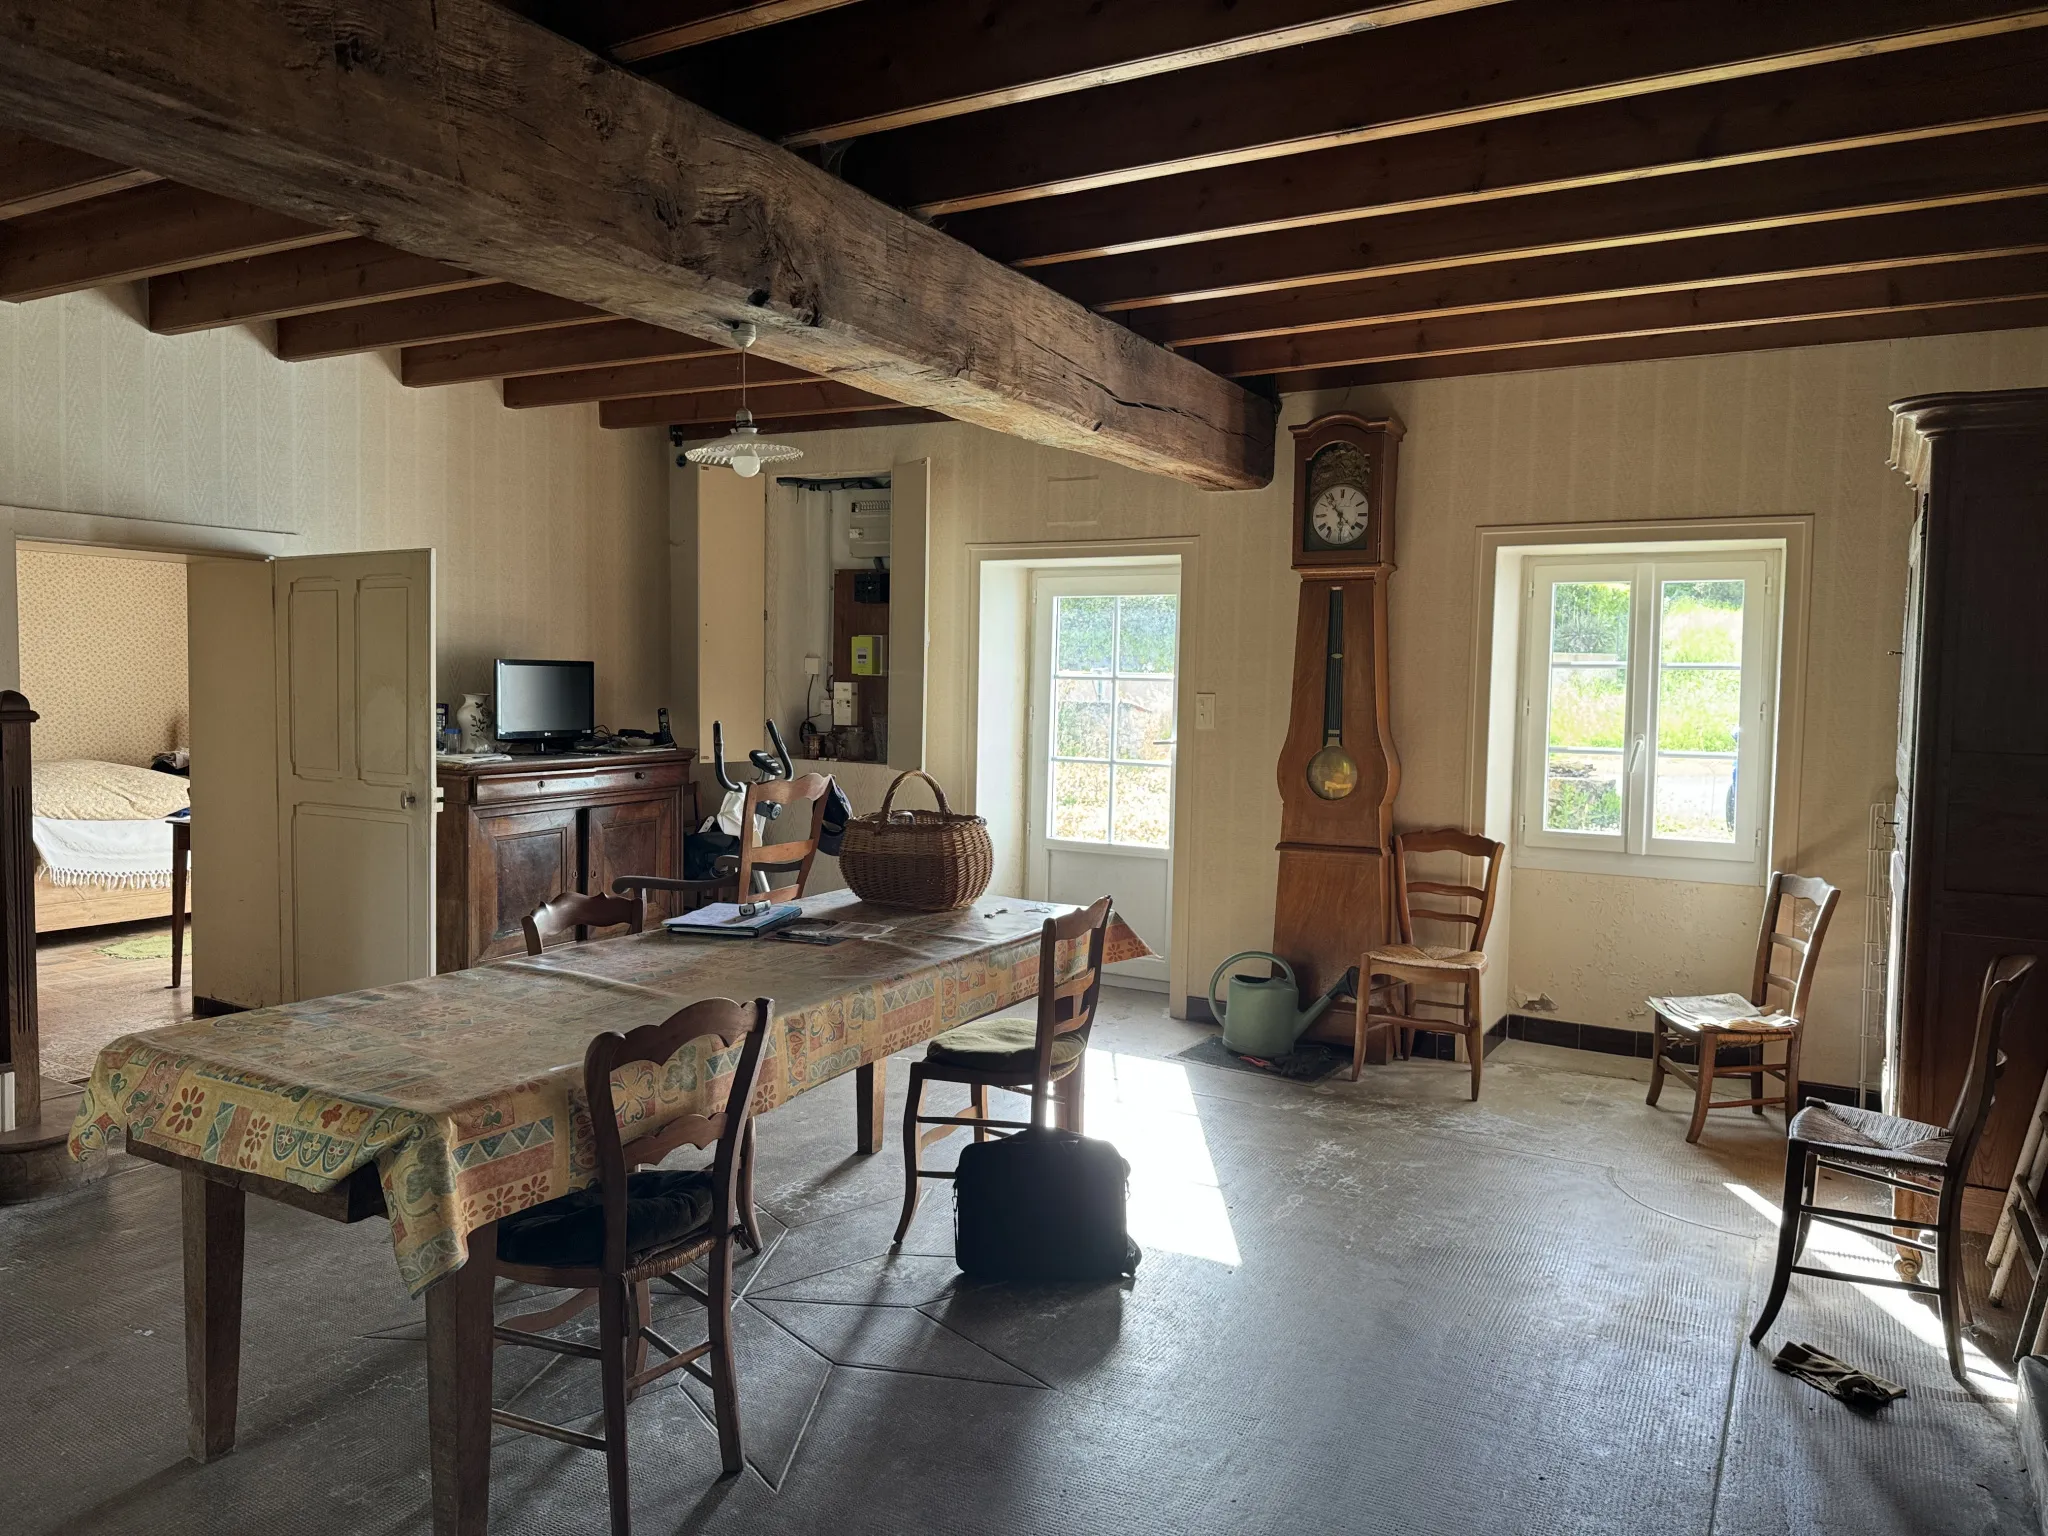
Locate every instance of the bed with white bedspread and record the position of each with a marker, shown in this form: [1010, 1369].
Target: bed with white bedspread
[103, 846]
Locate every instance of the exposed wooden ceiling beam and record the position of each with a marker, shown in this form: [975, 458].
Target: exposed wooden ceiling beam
[817, 398]
[525, 352]
[790, 426]
[495, 310]
[697, 375]
[1954, 285]
[35, 175]
[295, 283]
[138, 233]
[631, 30]
[2015, 315]
[1474, 67]
[503, 148]
[1276, 332]
[1892, 98]
[1816, 188]
[896, 63]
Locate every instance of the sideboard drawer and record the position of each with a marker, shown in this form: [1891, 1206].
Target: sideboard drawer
[544, 784]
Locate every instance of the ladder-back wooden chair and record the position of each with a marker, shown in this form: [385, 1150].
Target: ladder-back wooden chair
[1393, 971]
[759, 871]
[1040, 1056]
[1797, 909]
[572, 912]
[1906, 1155]
[633, 1227]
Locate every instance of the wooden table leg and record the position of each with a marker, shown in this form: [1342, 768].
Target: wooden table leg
[459, 1349]
[870, 1096]
[181, 854]
[214, 1218]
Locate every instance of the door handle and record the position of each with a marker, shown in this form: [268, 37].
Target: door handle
[407, 800]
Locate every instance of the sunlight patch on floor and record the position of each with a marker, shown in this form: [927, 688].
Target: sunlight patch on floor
[1851, 1255]
[1148, 1109]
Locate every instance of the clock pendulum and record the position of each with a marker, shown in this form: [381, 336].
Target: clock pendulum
[1338, 769]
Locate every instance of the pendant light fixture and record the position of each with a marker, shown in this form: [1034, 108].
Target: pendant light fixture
[743, 450]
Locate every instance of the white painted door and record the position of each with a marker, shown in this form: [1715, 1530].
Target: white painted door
[354, 638]
[1105, 658]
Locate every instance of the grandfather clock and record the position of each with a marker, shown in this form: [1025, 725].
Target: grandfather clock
[1338, 770]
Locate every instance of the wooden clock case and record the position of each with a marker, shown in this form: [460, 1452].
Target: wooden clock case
[1335, 888]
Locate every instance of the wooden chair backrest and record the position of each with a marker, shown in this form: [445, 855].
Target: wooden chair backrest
[776, 861]
[1066, 1006]
[1791, 990]
[2003, 979]
[1453, 908]
[718, 1018]
[571, 910]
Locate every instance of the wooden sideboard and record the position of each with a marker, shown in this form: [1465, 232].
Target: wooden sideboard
[513, 834]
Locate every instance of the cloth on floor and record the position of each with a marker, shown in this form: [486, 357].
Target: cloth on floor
[1817, 1368]
[1309, 1063]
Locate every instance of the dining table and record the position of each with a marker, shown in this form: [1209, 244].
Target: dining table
[445, 1104]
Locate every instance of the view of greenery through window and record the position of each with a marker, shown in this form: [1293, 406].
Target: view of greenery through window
[1698, 705]
[1112, 739]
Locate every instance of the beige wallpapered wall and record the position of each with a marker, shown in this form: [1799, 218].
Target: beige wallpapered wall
[1802, 432]
[549, 532]
[102, 654]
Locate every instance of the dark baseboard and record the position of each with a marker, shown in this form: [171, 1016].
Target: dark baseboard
[214, 1008]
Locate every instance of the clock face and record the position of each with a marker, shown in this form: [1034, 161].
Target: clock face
[1338, 516]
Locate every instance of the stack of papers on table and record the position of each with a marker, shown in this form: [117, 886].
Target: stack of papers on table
[1719, 1010]
[727, 920]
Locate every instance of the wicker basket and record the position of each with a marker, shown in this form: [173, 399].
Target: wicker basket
[933, 861]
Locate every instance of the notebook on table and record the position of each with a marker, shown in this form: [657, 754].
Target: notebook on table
[730, 920]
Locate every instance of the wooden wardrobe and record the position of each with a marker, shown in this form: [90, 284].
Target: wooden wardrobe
[1970, 877]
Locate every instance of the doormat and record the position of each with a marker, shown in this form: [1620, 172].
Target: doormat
[1309, 1063]
[151, 946]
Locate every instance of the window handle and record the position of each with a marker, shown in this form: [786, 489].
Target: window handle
[1635, 754]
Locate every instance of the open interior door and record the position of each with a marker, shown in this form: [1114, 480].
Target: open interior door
[313, 774]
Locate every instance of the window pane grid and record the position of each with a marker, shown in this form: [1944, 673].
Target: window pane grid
[1110, 773]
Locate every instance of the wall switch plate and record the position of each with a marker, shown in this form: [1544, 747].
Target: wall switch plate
[813, 666]
[1205, 711]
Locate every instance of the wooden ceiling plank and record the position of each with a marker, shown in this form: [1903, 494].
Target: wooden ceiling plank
[299, 282]
[36, 174]
[495, 310]
[2021, 314]
[1474, 67]
[632, 30]
[503, 148]
[790, 426]
[519, 353]
[1853, 183]
[139, 233]
[1265, 337]
[1970, 87]
[1804, 298]
[819, 397]
[698, 375]
[897, 63]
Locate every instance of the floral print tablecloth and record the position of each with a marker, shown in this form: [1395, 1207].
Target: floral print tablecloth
[466, 1089]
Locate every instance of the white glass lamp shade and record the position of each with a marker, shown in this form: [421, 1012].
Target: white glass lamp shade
[743, 450]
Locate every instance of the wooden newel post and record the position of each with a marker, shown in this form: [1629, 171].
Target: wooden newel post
[18, 1052]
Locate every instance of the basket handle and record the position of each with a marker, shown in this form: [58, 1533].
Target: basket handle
[915, 773]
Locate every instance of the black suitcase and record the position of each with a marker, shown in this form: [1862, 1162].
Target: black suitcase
[1042, 1205]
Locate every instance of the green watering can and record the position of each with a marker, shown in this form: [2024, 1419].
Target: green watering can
[1263, 1019]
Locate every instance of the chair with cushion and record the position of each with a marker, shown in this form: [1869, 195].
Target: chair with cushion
[575, 913]
[1772, 1014]
[633, 1227]
[760, 871]
[1394, 971]
[1041, 1056]
[1907, 1156]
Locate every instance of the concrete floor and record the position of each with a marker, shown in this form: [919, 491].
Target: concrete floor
[1367, 1307]
[96, 984]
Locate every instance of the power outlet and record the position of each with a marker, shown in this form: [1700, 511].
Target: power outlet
[1205, 711]
[813, 666]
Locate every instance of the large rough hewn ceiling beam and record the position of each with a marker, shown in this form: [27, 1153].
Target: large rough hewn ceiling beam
[459, 131]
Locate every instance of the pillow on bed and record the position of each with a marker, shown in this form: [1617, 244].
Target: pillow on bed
[83, 790]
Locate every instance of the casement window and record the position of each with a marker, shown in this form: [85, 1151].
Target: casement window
[1648, 712]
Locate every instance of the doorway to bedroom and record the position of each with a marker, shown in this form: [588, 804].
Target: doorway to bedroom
[102, 636]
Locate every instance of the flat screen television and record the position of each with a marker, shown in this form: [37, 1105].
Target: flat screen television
[544, 701]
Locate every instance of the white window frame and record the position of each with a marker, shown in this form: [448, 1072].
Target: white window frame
[1129, 581]
[1636, 849]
